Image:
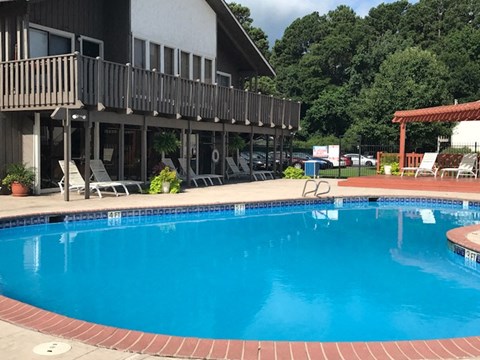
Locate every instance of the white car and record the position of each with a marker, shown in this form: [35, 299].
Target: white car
[364, 161]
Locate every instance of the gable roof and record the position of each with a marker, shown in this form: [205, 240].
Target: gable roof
[459, 112]
[240, 38]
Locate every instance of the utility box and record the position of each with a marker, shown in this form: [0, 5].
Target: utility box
[312, 167]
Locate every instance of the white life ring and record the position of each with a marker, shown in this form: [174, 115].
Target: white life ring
[215, 156]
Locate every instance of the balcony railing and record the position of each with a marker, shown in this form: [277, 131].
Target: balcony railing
[75, 81]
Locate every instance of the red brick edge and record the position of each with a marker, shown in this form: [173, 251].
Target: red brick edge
[33, 318]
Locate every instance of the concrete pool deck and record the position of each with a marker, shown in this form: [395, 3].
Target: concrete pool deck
[17, 342]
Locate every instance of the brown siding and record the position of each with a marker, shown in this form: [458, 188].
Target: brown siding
[10, 140]
[107, 20]
[83, 17]
[117, 30]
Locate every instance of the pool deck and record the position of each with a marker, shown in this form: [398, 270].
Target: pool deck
[22, 327]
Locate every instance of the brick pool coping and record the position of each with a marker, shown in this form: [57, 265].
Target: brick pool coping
[33, 318]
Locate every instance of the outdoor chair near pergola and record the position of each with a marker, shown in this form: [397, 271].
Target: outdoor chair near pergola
[447, 113]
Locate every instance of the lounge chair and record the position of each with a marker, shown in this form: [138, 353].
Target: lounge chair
[76, 181]
[261, 173]
[234, 171]
[194, 177]
[427, 165]
[101, 175]
[466, 167]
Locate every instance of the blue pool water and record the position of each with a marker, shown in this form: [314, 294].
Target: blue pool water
[312, 273]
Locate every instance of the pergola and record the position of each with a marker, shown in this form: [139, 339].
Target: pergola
[458, 112]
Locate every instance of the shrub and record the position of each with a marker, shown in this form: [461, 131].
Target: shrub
[294, 173]
[395, 168]
[19, 173]
[166, 175]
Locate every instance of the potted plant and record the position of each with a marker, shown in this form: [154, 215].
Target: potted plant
[165, 182]
[20, 179]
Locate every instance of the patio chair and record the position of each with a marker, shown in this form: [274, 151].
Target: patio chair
[427, 165]
[234, 171]
[76, 181]
[262, 173]
[467, 166]
[101, 175]
[194, 177]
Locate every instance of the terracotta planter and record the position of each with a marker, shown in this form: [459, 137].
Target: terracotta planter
[20, 189]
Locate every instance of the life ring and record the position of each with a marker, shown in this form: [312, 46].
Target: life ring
[215, 156]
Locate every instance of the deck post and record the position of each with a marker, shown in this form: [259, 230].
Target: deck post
[66, 155]
[88, 127]
[403, 130]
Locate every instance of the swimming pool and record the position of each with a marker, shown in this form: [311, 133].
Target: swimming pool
[298, 273]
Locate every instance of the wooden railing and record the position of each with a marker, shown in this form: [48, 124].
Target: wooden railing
[75, 81]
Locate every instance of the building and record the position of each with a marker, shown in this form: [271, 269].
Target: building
[99, 78]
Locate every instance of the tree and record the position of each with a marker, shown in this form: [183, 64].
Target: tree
[409, 79]
[329, 114]
[258, 36]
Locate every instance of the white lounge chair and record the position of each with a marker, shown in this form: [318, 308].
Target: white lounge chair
[101, 175]
[234, 170]
[76, 181]
[467, 166]
[261, 173]
[194, 177]
[427, 165]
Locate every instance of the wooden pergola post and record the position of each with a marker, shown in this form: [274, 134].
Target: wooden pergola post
[403, 135]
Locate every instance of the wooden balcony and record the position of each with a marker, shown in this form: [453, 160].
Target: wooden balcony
[76, 81]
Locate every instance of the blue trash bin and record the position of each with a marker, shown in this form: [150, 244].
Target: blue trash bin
[312, 168]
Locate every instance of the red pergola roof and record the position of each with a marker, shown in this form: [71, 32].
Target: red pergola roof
[459, 112]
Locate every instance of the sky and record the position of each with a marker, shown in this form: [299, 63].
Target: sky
[273, 16]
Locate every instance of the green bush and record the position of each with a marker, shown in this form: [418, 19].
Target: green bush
[19, 173]
[166, 175]
[294, 173]
[395, 168]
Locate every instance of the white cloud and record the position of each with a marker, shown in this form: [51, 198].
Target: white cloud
[273, 16]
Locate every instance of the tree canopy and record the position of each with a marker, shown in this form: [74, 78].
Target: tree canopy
[352, 73]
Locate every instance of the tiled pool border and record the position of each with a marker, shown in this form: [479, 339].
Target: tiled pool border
[33, 318]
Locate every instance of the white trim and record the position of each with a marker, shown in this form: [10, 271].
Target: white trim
[53, 31]
[227, 75]
[147, 50]
[81, 38]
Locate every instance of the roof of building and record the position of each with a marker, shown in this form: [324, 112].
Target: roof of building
[240, 38]
[457, 112]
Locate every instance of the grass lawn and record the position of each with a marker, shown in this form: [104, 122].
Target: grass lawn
[347, 172]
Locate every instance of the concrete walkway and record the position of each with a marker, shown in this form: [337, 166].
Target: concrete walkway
[17, 343]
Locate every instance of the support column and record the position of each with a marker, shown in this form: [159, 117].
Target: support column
[88, 129]
[189, 134]
[66, 155]
[121, 153]
[37, 148]
[144, 150]
[403, 131]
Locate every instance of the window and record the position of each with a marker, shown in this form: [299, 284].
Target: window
[168, 61]
[185, 65]
[224, 79]
[155, 57]
[197, 67]
[139, 53]
[91, 47]
[208, 71]
[45, 41]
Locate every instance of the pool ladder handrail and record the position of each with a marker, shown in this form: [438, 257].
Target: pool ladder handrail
[315, 190]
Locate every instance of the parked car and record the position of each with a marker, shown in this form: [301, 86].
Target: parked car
[259, 160]
[324, 163]
[299, 158]
[346, 160]
[364, 161]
